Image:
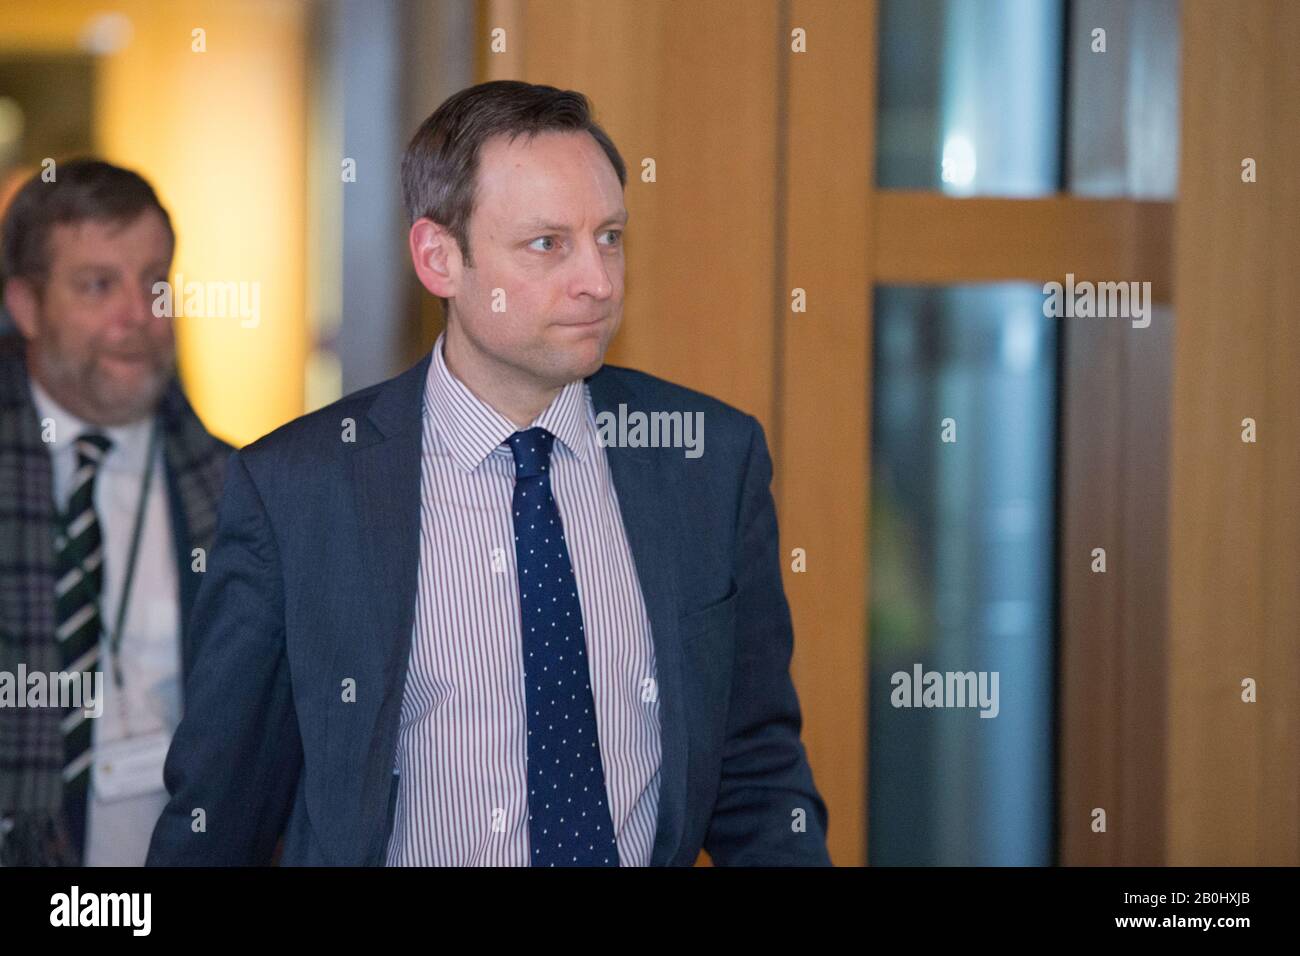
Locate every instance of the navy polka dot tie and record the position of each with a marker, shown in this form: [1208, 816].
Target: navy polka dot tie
[569, 822]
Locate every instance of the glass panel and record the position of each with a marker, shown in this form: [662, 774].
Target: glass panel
[970, 96]
[971, 93]
[962, 575]
[1124, 101]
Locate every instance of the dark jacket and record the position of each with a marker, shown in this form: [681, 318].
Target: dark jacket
[312, 579]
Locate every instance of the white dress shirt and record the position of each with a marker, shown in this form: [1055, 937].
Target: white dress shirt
[118, 831]
[462, 743]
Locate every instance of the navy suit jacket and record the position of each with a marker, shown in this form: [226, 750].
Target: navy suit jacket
[311, 581]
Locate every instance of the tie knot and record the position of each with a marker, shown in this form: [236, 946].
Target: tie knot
[532, 450]
[92, 447]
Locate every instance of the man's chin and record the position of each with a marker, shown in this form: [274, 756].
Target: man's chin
[118, 403]
[584, 362]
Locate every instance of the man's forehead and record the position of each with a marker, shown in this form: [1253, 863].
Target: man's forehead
[144, 233]
[530, 177]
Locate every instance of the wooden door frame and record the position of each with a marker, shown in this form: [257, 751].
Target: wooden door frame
[823, 445]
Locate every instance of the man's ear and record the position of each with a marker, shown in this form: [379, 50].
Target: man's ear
[435, 256]
[23, 303]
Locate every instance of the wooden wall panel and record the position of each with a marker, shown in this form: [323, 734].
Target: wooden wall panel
[1090, 681]
[1234, 767]
[694, 87]
[825, 393]
[1112, 646]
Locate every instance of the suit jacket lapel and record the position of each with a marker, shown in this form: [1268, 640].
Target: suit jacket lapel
[646, 492]
[386, 483]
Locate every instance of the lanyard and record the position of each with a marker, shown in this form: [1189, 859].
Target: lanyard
[115, 639]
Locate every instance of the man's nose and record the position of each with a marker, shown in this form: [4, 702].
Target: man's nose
[138, 307]
[595, 280]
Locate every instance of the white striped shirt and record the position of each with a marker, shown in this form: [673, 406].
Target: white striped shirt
[461, 748]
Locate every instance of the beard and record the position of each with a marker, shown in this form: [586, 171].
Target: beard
[89, 391]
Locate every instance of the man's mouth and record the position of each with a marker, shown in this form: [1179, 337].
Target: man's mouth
[132, 363]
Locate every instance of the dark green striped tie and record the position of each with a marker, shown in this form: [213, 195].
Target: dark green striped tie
[79, 558]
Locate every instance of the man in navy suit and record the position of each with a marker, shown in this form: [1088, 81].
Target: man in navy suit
[502, 609]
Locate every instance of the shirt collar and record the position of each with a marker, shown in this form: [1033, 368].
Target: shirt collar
[130, 442]
[471, 429]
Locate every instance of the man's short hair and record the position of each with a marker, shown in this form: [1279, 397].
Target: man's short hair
[441, 161]
[82, 189]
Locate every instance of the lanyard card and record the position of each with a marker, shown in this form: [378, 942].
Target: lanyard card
[131, 767]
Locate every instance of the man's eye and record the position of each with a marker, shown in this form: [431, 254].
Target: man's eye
[617, 234]
[533, 244]
[97, 286]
